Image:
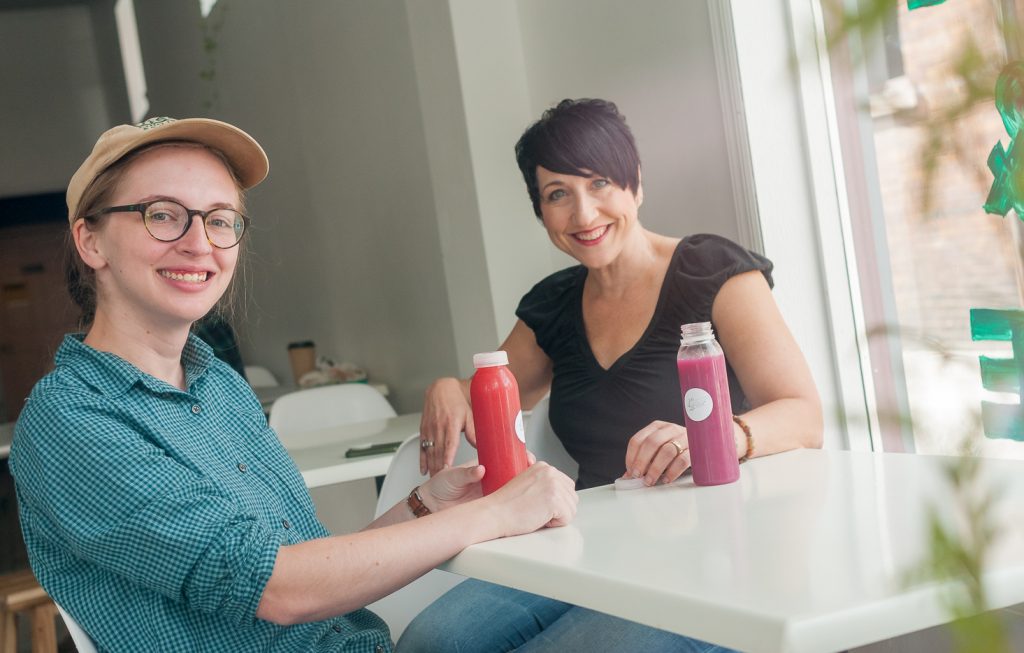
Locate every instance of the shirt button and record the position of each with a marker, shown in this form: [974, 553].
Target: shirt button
[286, 523]
[242, 467]
[379, 649]
[196, 409]
[336, 628]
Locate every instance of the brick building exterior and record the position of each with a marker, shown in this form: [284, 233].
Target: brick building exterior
[953, 256]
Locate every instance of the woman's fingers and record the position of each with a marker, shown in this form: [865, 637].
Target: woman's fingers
[539, 496]
[438, 443]
[658, 451]
[676, 467]
[637, 442]
[445, 413]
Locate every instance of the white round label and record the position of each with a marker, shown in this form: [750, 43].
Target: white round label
[520, 431]
[698, 404]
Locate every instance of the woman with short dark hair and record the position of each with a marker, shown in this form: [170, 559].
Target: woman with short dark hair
[602, 338]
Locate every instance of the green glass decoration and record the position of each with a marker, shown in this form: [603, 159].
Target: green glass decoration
[1001, 374]
[1007, 165]
[917, 4]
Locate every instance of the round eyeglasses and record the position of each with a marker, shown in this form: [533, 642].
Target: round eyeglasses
[167, 221]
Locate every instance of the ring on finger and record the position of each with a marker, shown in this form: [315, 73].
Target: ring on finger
[679, 447]
[426, 444]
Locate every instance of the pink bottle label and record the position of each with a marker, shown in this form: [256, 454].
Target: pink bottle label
[707, 410]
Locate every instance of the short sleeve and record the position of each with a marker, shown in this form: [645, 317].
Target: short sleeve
[706, 261]
[546, 309]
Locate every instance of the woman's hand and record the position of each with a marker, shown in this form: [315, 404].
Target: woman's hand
[659, 451]
[539, 497]
[452, 486]
[446, 414]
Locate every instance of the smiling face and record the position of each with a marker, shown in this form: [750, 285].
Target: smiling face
[589, 218]
[161, 285]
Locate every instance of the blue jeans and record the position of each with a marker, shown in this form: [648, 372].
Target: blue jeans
[478, 617]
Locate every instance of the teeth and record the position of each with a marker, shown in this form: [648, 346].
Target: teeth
[592, 235]
[193, 277]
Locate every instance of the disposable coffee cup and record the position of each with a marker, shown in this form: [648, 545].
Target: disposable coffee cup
[302, 356]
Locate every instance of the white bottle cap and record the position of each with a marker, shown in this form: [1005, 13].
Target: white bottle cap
[629, 483]
[490, 359]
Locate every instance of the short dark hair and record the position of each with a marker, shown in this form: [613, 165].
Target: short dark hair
[579, 137]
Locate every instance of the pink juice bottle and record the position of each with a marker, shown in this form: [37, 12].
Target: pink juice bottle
[706, 406]
[498, 418]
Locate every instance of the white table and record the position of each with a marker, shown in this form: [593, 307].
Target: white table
[805, 554]
[320, 454]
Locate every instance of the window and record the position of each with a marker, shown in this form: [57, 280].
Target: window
[926, 252]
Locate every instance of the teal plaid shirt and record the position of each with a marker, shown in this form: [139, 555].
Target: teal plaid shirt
[154, 516]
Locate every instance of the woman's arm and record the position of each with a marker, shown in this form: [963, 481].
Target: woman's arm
[770, 367]
[446, 406]
[323, 578]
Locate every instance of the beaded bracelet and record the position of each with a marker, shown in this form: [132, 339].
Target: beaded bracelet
[750, 438]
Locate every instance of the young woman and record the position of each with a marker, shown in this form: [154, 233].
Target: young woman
[157, 506]
[602, 338]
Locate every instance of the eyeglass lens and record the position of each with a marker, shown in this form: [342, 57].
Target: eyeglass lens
[168, 220]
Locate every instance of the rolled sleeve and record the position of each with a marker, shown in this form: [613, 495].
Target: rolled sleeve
[108, 496]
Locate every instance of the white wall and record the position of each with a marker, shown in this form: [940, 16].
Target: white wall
[47, 128]
[394, 229]
[514, 60]
[656, 62]
[345, 249]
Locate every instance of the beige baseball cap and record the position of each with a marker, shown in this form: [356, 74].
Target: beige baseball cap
[241, 150]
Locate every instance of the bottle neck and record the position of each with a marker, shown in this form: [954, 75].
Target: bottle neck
[696, 333]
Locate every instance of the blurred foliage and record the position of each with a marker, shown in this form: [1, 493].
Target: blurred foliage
[961, 531]
[961, 535]
[972, 75]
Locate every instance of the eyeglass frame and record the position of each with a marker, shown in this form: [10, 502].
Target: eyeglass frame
[141, 208]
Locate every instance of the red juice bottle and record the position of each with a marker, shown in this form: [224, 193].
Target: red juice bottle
[706, 406]
[498, 418]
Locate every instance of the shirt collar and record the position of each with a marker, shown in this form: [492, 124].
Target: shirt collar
[116, 375]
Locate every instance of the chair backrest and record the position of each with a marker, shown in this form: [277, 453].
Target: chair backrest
[331, 405]
[399, 608]
[260, 377]
[543, 442]
[82, 641]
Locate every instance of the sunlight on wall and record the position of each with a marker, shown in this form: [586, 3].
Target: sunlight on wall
[131, 59]
[206, 6]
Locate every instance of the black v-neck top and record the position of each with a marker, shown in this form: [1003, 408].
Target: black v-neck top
[595, 411]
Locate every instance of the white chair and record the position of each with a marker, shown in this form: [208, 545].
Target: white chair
[82, 641]
[260, 377]
[399, 608]
[345, 507]
[330, 405]
[543, 442]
